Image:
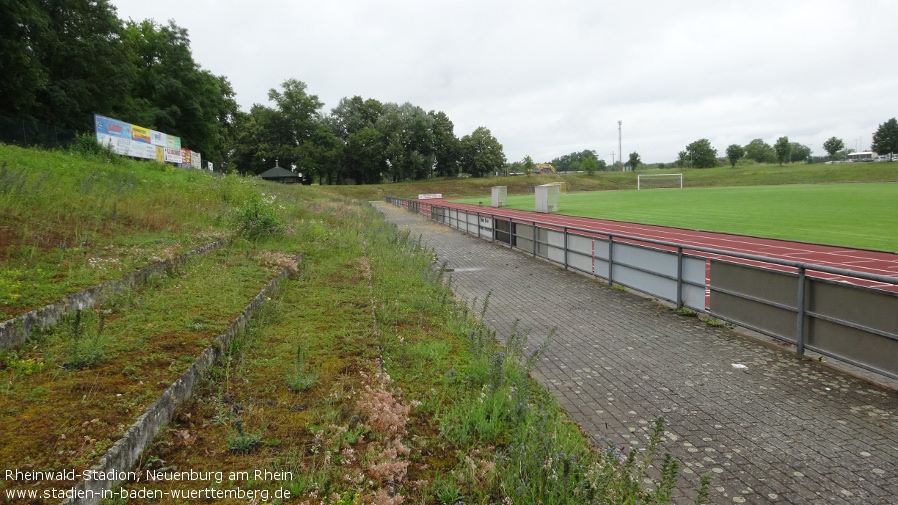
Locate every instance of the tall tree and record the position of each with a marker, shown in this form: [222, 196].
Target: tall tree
[351, 115]
[172, 94]
[701, 155]
[446, 148]
[832, 146]
[735, 152]
[634, 161]
[573, 161]
[22, 74]
[83, 68]
[408, 138]
[364, 156]
[799, 151]
[299, 109]
[527, 164]
[319, 155]
[783, 150]
[589, 165]
[885, 140]
[481, 152]
[760, 151]
[682, 159]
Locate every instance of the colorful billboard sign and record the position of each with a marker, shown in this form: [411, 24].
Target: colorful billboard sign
[140, 142]
[140, 134]
[173, 155]
[158, 138]
[112, 127]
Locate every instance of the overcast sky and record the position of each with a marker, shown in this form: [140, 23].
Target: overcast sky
[551, 77]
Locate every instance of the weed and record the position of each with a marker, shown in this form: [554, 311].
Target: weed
[257, 218]
[687, 312]
[446, 491]
[716, 323]
[302, 378]
[243, 442]
[86, 349]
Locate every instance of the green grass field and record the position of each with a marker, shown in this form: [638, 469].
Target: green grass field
[854, 215]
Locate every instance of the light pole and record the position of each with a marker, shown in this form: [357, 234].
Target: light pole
[857, 144]
[620, 149]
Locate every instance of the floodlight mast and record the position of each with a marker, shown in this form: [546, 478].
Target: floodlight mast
[620, 148]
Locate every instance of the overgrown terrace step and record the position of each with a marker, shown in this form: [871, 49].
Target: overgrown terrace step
[15, 331]
[333, 338]
[65, 400]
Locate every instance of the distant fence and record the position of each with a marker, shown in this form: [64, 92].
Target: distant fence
[31, 134]
[847, 315]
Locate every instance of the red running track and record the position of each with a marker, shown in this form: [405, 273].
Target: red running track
[860, 260]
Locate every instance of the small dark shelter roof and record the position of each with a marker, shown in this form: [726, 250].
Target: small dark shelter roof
[279, 174]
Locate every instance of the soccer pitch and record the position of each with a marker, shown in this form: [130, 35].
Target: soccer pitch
[851, 215]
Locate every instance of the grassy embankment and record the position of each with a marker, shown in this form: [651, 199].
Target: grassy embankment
[361, 381]
[742, 175]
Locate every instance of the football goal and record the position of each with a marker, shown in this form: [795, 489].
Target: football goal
[651, 181]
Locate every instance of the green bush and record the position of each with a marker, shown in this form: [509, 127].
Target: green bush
[257, 218]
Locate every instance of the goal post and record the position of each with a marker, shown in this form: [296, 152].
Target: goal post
[651, 181]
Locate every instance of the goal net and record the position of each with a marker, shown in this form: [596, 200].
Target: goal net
[652, 181]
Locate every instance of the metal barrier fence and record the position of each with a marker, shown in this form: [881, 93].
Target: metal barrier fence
[831, 311]
[29, 133]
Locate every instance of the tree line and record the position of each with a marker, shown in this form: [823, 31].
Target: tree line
[65, 60]
[360, 141]
[700, 154]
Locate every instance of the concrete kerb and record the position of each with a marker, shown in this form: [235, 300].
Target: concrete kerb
[16, 331]
[125, 453]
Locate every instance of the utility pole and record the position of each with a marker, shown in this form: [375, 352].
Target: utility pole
[612, 160]
[620, 148]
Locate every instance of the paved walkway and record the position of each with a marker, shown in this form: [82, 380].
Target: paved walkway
[781, 430]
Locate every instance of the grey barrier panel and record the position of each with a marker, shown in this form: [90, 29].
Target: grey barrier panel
[650, 271]
[542, 242]
[524, 236]
[762, 300]
[853, 323]
[601, 255]
[486, 227]
[453, 218]
[555, 246]
[694, 282]
[580, 253]
[502, 231]
[474, 224]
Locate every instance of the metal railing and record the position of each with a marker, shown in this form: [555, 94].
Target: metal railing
[844, 314]
[25, 133]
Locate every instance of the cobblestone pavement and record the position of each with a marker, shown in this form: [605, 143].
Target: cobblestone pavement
[781, 430]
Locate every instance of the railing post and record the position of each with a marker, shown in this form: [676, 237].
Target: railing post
[533, 223]
[610, 260]
[679, 277]
[565, 247]
[799, 337]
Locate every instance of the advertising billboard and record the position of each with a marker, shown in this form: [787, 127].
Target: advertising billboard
[140, 142]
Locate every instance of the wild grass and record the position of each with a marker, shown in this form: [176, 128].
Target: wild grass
[72, 221]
